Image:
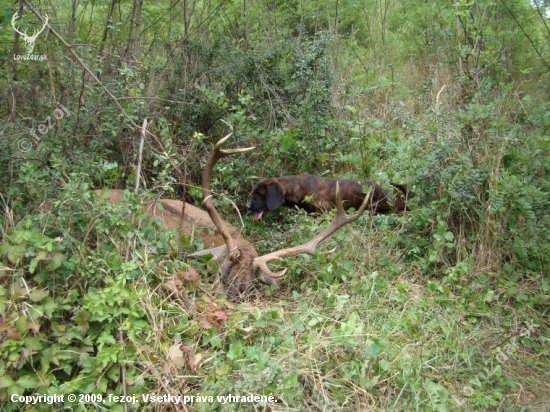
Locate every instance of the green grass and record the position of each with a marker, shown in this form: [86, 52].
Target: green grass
[362, 329]
[375, 325]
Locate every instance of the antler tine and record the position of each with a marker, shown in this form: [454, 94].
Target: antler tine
[46, 18]
[15, 17]
[260, 263]
[227, 152]
[207, 202]
[35, 32]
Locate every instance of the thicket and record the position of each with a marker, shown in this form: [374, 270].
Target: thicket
[450, 99]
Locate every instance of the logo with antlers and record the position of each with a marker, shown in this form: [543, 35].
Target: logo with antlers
[30, 40]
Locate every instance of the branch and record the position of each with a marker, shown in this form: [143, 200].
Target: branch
[310, 246]
[81, 62]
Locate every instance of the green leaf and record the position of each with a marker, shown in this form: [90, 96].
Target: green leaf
[21, 325]
[37, 295]
[15, 390]
[6, 382]
[235, 351]
[384, 365]
[33, 265]
[56, 261]
[49, 307]
[28, 382]
[45, 358]
[14, 252]
[375, 348]
[16, 291]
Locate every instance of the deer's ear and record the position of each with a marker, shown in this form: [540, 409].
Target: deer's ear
[275, 196]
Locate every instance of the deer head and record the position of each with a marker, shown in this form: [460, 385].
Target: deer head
[30, 40]
[240, 264]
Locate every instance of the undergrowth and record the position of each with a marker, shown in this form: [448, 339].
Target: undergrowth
[376, 325]
[443, 308]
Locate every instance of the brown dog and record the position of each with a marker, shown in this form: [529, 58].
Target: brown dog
[317, 194]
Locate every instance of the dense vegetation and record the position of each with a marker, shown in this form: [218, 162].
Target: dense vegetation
[445, 308]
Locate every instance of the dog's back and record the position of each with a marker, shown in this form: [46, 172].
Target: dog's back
[318, 194]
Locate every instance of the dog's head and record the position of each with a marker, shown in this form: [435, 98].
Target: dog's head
[268, 195]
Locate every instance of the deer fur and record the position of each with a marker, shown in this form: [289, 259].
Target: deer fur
[239, 276]
[241, 266]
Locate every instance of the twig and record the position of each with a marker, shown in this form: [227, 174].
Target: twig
[183, 180]
[439, 94]
[123, 366]
[140, 153]
[81, 62]
[138, 174]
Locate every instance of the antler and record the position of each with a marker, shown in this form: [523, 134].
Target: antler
[243, 265]
[260, 263]
[15, 17]
[35, 33]
[207, 202]
[29, 39]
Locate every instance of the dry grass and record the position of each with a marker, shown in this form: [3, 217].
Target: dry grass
[385, 338]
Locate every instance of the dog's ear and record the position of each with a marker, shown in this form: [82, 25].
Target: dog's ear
[275, 196]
